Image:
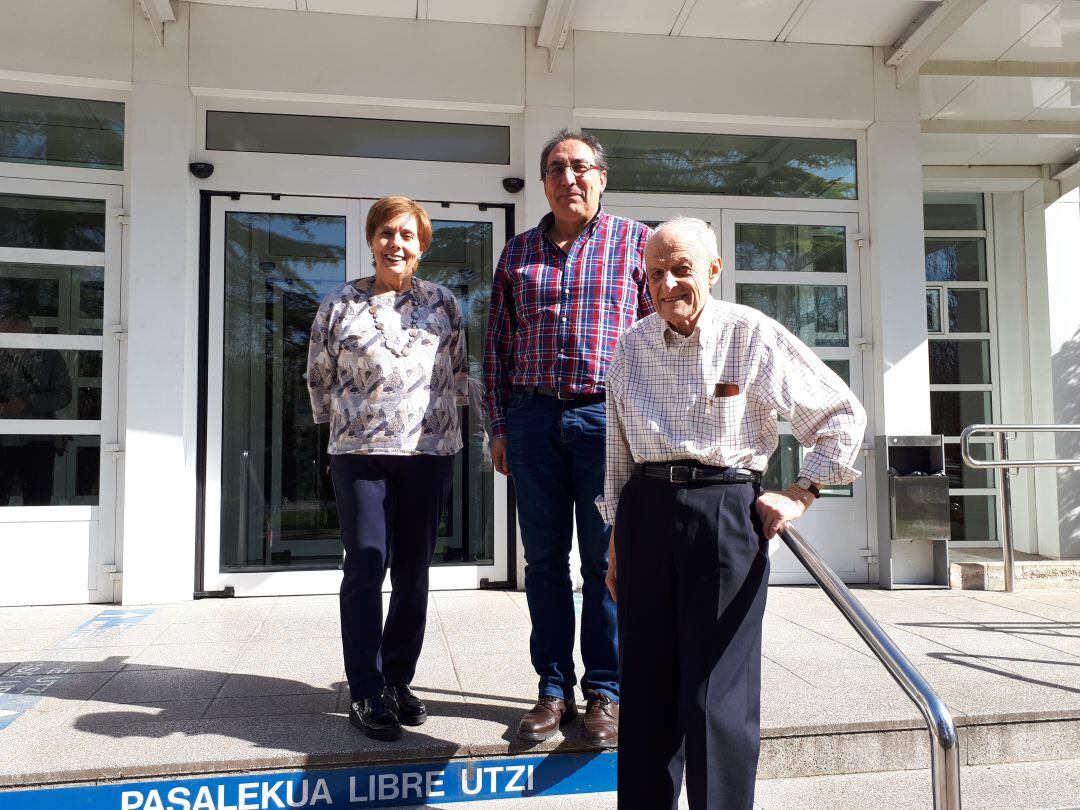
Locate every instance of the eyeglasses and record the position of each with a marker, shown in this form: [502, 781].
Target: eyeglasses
[578, 167]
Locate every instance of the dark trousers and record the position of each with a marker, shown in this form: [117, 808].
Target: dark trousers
[556, 455]
[389, 508]
[692, 573]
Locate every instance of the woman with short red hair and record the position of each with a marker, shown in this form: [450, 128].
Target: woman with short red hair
[387, 368]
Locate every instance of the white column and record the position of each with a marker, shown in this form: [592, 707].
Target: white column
[160, 312]
[900, 381]
[1062, 223]
[897, 388]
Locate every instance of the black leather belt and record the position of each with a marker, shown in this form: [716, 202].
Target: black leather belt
[682, 472]
[577, 399]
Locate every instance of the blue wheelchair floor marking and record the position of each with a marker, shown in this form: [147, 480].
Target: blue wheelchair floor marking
[12, 706]
[106, 624]
[29, 682]
[378, 786]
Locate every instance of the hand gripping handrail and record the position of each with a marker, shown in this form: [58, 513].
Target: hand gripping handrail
[944, 741]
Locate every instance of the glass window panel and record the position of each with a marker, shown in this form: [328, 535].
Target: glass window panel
[460, 258]
[784, 466]
[51, 223]
[842, 369]
[933, 309]
[817, 315]
[952, 411]
[47, 384]
[973, 518]
[959, 361]
[357, 137]
[968, 311]
[61, 131]
[790, 248]
[962, 476]
[955, 259]
[953, 212]
[277, 507]
[49, 470]
[51, 299]
[742, 165]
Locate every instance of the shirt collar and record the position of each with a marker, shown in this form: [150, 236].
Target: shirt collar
[548, 219]
[703, 330]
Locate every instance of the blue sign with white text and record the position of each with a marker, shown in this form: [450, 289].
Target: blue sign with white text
[369, 787]
[107, 623]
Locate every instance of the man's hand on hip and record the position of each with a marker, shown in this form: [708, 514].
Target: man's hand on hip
[498, 456]
[777, 509]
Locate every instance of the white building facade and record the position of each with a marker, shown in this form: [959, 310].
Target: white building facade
[171, 300]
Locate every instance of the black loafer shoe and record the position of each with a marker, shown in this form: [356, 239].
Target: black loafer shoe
[376, 717]
[411, 710]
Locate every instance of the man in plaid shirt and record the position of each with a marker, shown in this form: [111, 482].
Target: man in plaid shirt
[562, 294]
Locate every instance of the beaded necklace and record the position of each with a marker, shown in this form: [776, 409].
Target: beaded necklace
[413, 331]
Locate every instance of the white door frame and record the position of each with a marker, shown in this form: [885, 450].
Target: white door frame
[99, 524]
[358, 265]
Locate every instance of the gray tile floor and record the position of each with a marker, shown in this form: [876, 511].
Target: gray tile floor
[222, 685]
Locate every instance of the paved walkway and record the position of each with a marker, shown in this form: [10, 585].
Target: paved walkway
[231, 685]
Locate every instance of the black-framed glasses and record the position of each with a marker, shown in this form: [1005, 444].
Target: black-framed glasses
[578, 167]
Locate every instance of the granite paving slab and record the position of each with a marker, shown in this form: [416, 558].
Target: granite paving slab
[220, 685]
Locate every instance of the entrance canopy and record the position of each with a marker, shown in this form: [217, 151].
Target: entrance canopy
[999, 80]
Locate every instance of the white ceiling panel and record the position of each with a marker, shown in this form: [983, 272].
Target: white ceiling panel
[953, 150]
[368, 8]
[1065, 106]
[285, 4]
[495, 12]
[1055, 39]
[994, 28]
[857, 22]
[740, 19]
[1029, 150]
[627, 16]
[935, 92]
[1007, 99]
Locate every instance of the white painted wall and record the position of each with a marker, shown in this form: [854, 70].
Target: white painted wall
[1063, 288]
[257, 59]
[67, 42]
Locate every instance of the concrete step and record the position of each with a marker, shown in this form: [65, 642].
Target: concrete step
[1027, 574]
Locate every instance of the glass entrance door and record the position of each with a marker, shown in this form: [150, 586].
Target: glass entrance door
[272, 525]
[59, 391]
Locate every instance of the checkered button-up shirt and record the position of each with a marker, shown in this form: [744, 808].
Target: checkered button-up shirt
[714, 396]
[555, 317]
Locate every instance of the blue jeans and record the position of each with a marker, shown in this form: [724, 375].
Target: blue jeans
[556, 457]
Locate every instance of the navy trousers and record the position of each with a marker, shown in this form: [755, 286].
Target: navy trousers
[389, 508]
[556, 454]
[692, 575]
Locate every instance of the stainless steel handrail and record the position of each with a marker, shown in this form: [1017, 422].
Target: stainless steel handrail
[1006, 465]
[944, 740]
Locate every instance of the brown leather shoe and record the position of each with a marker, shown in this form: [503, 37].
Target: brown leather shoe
[600, 728]
[545, 717]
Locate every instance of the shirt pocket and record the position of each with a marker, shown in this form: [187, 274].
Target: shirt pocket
[726, 413]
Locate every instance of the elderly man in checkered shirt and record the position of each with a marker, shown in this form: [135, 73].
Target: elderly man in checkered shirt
[693, 394]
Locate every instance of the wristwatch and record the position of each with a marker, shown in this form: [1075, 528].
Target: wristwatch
[802, 482]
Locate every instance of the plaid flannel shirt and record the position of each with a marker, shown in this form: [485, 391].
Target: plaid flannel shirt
[555, 317]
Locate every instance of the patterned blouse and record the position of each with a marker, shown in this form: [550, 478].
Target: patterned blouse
[388, 371]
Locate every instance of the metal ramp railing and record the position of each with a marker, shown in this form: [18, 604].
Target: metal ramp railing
[1005, 466]
[944, 740]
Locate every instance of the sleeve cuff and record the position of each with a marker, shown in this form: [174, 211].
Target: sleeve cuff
[607, 513]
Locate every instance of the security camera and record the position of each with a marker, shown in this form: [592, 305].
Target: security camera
[201, 170]
[513, 184]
